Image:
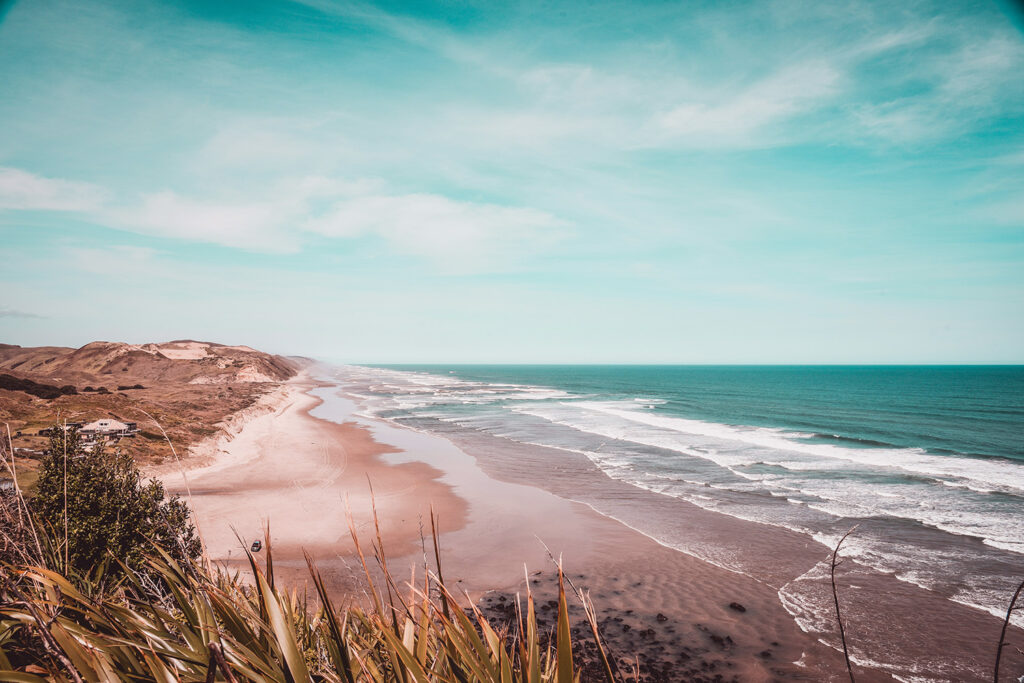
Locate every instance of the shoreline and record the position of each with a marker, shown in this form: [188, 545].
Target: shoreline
[493, 533]
[282, 467]
[498, 513]
[954, 642]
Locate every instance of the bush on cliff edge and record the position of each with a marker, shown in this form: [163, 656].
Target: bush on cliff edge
[107, 508]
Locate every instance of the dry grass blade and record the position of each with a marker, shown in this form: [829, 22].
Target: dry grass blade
[564, 641]
[20, 677]
[610, 669]
[362, 559]
[437, 560]
[337, 647]
[382, 560]
[269, 555]
[532, 639]
[282, 627]
[217, 661]
[835, 598]
[1002, 635]
[171, 622]
[25, 518]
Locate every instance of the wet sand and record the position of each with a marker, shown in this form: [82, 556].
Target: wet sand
[511, 528]
[501, 511]
[926, 636]
[295, 474]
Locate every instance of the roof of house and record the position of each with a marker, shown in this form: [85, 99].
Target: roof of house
[105, 426]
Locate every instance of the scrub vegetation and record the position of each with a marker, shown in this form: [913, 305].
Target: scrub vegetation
[117, 589]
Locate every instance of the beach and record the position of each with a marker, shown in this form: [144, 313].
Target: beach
[310, 448]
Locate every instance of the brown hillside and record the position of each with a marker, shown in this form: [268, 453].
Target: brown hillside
[113, 363]
[187, 386]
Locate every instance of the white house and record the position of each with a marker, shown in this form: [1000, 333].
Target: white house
[108, 428]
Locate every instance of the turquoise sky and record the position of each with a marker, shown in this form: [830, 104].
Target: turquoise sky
[688, 182]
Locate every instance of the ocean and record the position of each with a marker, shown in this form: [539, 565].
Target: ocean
[927, 461]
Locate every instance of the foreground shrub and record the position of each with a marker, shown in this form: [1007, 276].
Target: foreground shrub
[210, 625]
[108, 588]
[95, 507]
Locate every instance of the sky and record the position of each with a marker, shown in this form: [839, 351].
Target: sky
[577, 182]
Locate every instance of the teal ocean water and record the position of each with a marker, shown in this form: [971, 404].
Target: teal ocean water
[972, 411]
[928, 460]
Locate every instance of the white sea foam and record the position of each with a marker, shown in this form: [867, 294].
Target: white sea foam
[831, 496]
[738, 449]
[995, 474]
[741, 449]
[995, 604]
[1016, 546]
[788, 481]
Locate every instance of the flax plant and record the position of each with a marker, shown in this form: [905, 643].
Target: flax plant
[196, 623]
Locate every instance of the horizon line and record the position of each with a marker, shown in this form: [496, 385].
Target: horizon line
[682, 364]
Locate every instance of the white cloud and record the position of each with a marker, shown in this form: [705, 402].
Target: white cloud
[735, 117]
[893, 40]
[871, 76]
[897, 121]
[599, 110]
[312, 187]
[456, 236]
[21, 190]
[536, 131]
[585, 86]
[429, 226]
[254, 225]
[430, 35]
[8, 312]
[247, 145]
[979, 65]
[963, 87]
[248, 224]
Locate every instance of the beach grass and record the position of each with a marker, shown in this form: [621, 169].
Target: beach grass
[193, 621]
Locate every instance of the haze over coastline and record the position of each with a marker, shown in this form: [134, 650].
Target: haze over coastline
[732, 183]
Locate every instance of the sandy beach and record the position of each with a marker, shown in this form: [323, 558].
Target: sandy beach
[282, 465]
[275, 465]
[294, 460]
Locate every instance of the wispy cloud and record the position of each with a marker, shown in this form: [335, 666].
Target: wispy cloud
[456, 236]
[453, 235]
[264, 144]
[252, 225]
[1008, 211]
[430, 35]
[22, 190]
[740, 117]
[8, 312]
